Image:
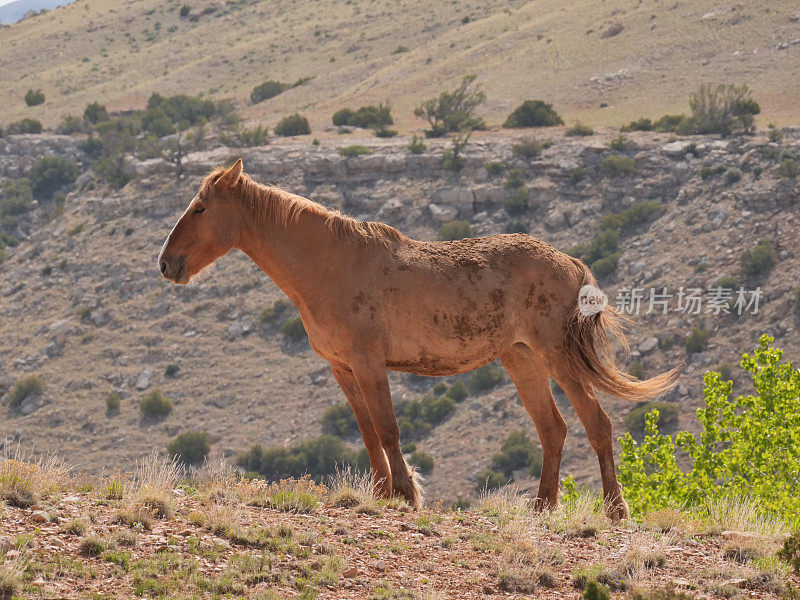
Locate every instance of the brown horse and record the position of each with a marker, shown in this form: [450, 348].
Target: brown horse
[374, 300]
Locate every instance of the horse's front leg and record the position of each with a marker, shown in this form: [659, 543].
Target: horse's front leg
[381, 475]
[374, 384]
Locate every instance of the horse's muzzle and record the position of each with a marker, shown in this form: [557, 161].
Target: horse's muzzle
[173, 268]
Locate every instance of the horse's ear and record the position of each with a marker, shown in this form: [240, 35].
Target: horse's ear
[232, 175]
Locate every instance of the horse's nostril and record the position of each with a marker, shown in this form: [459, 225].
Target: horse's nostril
[163, 266]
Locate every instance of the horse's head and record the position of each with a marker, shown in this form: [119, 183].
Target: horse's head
[208, 229]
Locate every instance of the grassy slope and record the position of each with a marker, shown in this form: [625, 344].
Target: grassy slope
[119, 52]
[147, 536]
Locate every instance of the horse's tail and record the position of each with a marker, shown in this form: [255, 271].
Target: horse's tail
[591, 356]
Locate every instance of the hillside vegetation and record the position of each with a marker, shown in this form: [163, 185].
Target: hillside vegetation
[602, 63]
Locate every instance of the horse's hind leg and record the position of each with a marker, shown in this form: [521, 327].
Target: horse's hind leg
[381, 475]
[533, 384]
[598, 430]
[374, 384]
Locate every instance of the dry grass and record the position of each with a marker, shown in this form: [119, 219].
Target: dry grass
[350, 488]
[25, 479]
[737, 514]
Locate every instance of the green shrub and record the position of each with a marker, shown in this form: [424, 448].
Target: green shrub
[354, 150]
[485, 378]
[787, 168]
[377, 117]
[577, 175]
[731, 458]
[732, 175]
[457, 391]
[528, 148]
[17, 197]
[113, 400]
[600, 254]
[518, 201]
[293, 125]
[171, 370]
[440, 388]
[495, 167]
[451, 158]
[452, 111]
[27, 387]
[293, 329]
[758, 260]
[418, 417]
[422, 460]
[516, 226]
[71, 125]
[618, 166]
[722, 108]
[488, 480]
[34, 97]
[318, 458]
[185, 10]
[248, 138]
[51, 173]
[619, 143]
[190, 448]
[518, 452]
[416, 145]
[790, 551]
[515, 179]
[95, 113]
[668, 417]
[639, 213]
[697, 340]
[670, 123]
[605, 266]
[579, 129]
[455, 230]
[24, 126]
[182, 111]
[595, 590]
[268, 89]
[270, 313]
[383, 132]
[709, 172]
[340, 421]
[155, 405]
[113, 170]
[640, 124]
[533, 113]
[637, 369]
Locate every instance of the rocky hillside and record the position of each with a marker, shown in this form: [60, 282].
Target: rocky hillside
[602, 62]
[83, 306]
[155, 535]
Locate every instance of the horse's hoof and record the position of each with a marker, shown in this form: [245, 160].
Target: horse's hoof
[618, 512]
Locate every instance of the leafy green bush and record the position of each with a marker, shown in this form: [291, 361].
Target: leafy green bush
[485, 378]
[619, 143]
[155, 405]
[516, 226]
[618, 166]
[452, 111]
[640, 124]
[495, 167]
[697, 340]
[51, 173]
[416, 145]
[418, 417]
[340, 421]
[17, 197]
[171, 370]
[455, 230]
[27, 387]
[95, 113]
[71, 125]
[731, 458]
[528, 148]
[671, 123]
[709, 172]
[185, 10]
[533, 113]
[451, 158]
[759, 259]
[638, 213]
[113, 170]
[790, 552]
[422, 460]
[293, 125]
[457, 391]
[515, 178]
[190, 448]
[577, 175]
[518, 452]
[113, 400]
[293, 329]
[256, 136]
[732, 175]
[637, 369]
[319, 458]
[268, 89]
[34, 97]
[270, 313]
[354, 150]
[182, 111]
[601, 254]
[668, 417]
[722, 108]
[787, 168]
[579, 129]
[377, 117]
[489, 480]
[518, 201]
[24, 126]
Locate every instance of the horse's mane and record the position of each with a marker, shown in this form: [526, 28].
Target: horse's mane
[269, 203]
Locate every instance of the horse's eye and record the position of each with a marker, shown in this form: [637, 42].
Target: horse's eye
[199, 209]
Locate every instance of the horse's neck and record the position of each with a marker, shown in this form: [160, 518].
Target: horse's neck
[295, 253]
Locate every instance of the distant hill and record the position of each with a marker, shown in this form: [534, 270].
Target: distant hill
[14, 11]
[603, 63]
